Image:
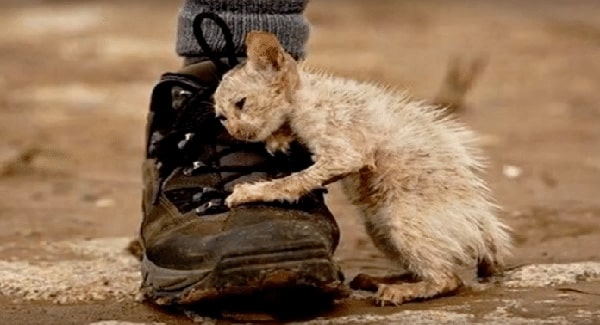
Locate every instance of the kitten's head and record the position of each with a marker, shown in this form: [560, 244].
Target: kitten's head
[255, 99]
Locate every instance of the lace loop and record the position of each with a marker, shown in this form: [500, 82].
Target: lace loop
[229, 49]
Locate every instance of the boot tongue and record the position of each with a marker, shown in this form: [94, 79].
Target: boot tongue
[205, 72]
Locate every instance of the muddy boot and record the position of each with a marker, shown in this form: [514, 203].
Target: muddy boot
[194, 248]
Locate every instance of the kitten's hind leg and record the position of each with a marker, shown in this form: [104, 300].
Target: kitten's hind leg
[415, 243]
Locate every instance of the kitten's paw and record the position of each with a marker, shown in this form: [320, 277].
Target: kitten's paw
[276, 144]
[390, 295]
[244, 193]
[239, 196]
[399, 293]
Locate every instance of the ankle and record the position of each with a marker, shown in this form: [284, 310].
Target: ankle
[284, 18]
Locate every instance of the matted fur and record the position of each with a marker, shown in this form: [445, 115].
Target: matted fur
[410, 170]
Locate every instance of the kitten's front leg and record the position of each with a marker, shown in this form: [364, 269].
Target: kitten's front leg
[292, 187]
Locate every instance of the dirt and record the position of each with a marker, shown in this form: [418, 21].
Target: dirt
[75, 79]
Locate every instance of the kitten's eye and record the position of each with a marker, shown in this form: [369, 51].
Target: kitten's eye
[240, 103]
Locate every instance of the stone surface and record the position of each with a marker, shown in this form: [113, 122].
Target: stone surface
[95, 270]
[101, 270]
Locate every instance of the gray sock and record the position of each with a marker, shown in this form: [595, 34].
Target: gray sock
[284, 18]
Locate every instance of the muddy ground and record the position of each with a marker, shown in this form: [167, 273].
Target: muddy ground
[75, 79]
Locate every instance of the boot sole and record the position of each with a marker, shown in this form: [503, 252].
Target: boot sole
[245, 274]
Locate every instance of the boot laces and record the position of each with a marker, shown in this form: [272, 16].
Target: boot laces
[188, 139]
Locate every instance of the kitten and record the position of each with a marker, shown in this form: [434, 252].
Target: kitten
[411, 172]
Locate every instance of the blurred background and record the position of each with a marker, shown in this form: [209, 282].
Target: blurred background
[75, 79]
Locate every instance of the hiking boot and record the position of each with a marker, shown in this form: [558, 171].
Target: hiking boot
[195, 249]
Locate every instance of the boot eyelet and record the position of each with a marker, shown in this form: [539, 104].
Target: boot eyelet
[187, 137]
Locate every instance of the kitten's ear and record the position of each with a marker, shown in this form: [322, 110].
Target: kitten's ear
[264, 51]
